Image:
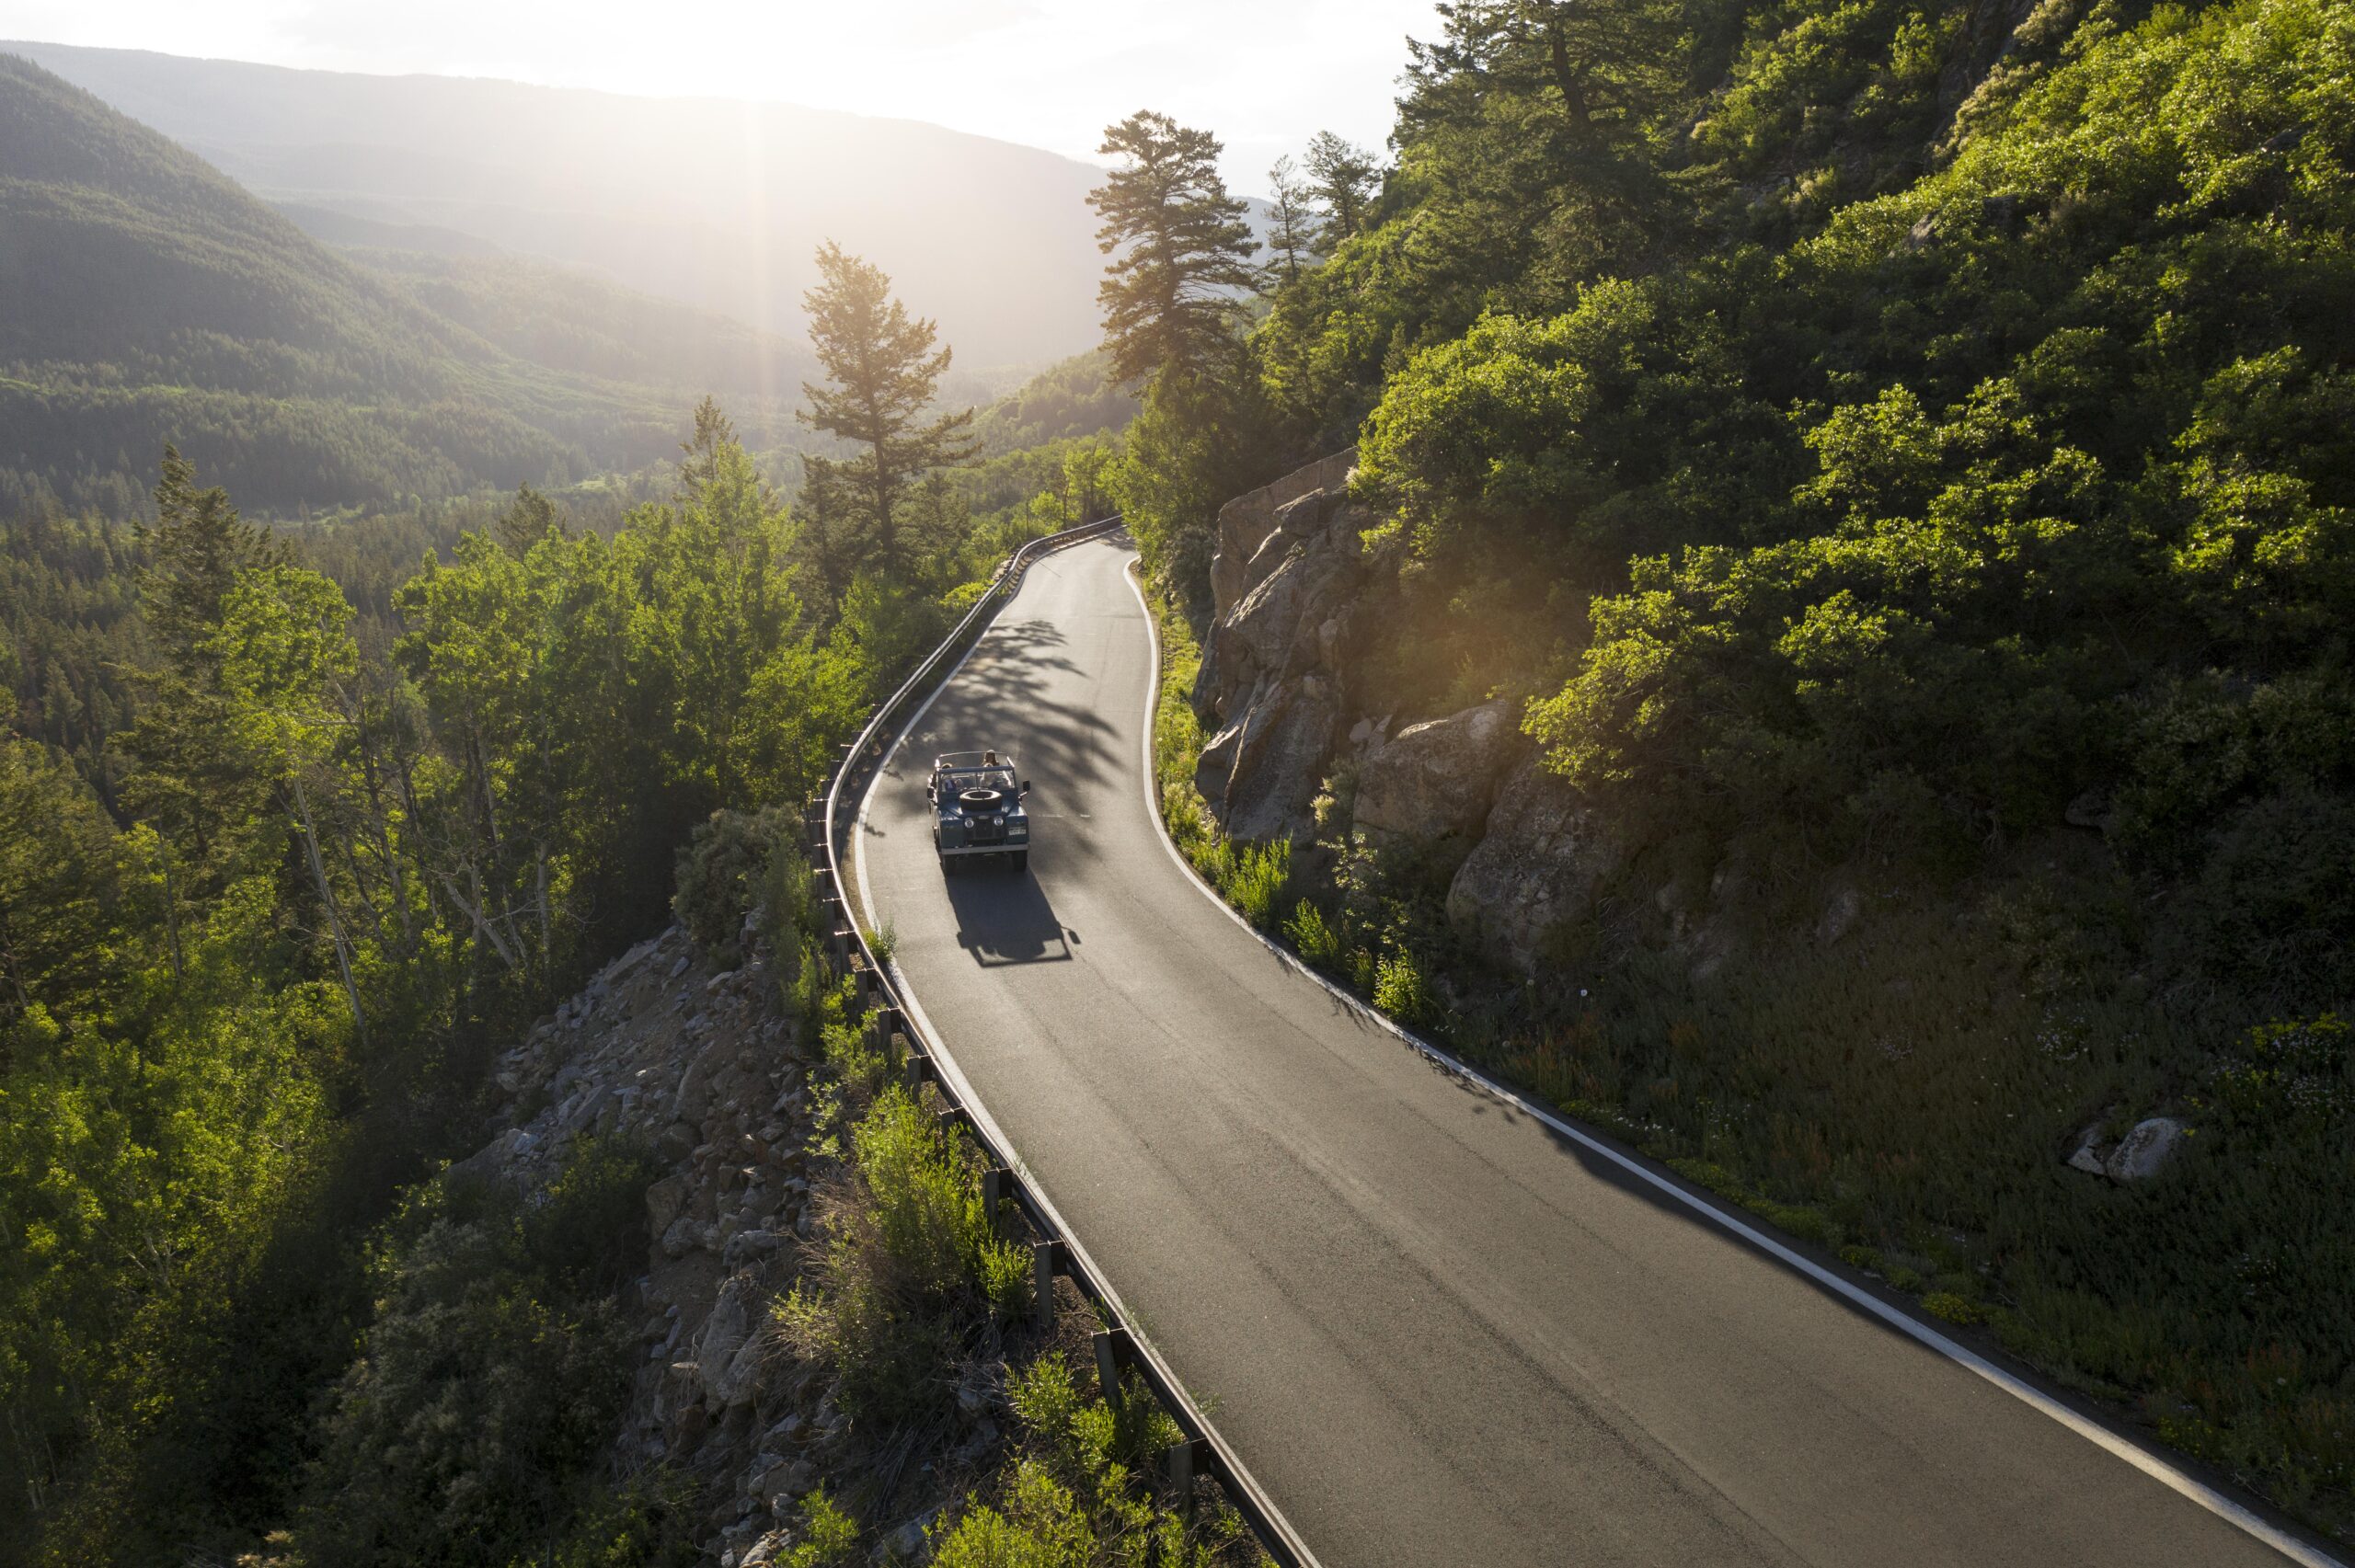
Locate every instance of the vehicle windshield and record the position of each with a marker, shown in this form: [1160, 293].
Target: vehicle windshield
[956, 779]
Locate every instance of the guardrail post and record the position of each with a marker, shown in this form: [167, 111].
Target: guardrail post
[997, 1191]
[1187, 1461]
[1046, 1261]
[1114, 1350]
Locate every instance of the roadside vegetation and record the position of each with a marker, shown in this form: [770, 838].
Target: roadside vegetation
[915, 1296]
[1902, 484]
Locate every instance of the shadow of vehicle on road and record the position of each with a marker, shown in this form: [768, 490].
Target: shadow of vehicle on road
[1003, 917]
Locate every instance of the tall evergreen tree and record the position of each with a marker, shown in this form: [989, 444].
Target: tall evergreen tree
[196, 547]
[1180, 249]
[1342, 176]
[528, 518]
[1599, 67]
[882, 370]
[1292, 232]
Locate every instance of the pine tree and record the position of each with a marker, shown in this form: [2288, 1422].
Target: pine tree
[1291, 233]
[529, 519]
[1180, 250]
[883, 370]
[1598, 68]
[196, 547]
[1342, 176]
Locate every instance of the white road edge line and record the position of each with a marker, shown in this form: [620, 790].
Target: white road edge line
[2149, 1464]
[972, 1102]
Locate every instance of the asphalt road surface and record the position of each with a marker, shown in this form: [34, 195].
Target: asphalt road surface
[1436, 1329]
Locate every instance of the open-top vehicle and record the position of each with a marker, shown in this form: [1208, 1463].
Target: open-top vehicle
[977, 809]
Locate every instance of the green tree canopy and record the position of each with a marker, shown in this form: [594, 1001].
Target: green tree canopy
[1180, 249]
[882, 372]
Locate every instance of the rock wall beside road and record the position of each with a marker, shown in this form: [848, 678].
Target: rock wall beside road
[1288, 711]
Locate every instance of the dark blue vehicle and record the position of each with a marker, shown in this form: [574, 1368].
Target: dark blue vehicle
[977, 810]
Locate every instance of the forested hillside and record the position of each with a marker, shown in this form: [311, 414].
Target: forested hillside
[1894, 461]
[151, 299]
[1891, 464]
[301, 824]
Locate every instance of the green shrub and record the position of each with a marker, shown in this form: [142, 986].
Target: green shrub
[926, 1201]
[1400, 990]
[1313, 936]
[1954, 1308]
[649, 1522]
[1257, 879]
[2288, 1076]
[722, 869]
[912, 1263]
[788, 907]
[489, 1384]
[1081, 1494]
[828, 1535]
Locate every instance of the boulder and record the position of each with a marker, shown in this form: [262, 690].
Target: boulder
[2141, 1154]
[1437, 779]
[2144, 1151]
[665, 1201]
[1544, 856]
[725, 1331]
[741, 1378]
[496, 1161]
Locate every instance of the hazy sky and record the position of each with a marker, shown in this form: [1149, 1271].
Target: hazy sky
[1263, 74]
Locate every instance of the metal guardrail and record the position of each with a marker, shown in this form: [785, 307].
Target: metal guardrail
[830, 821]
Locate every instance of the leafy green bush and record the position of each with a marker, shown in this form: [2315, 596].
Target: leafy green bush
[1309, 932]
[721, 872]
[1256, 880]
[828, 1535]
[1080, 1496]
[1400, 990]
[650, 1521]
[491, 1379]
[2288, 1076]
[912, 1261]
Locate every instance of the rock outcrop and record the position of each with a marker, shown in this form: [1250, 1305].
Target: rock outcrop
[701, 1066]
[1283, 696]
[1544, 857]
[1270, 680]
[2143, 1153]
[1437, 779]
[1245, 523]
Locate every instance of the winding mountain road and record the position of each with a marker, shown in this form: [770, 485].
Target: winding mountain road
[1439, 1329]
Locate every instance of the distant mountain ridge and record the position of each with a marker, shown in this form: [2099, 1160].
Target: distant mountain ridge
[715, 204]
[145, 297]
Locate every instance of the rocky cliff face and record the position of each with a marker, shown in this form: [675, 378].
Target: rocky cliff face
[1273, 668]
[703, 1067]
[1296, 608]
